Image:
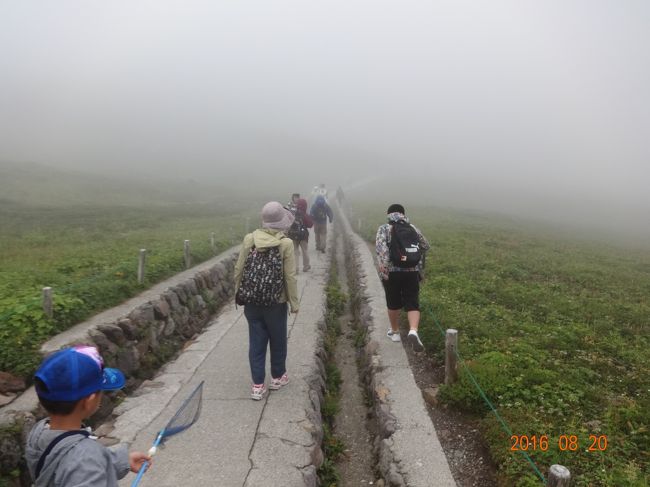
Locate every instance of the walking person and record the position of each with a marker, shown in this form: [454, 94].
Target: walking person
[317, 191]
[340, 196]
[265, 283]
[69, 385]
[291, 206]
[400, 250]
[320, 213]
[299, 233]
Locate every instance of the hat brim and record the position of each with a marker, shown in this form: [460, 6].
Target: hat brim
[113, 380]
[283, 224]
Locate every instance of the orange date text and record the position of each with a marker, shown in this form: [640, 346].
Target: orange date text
[564, 443]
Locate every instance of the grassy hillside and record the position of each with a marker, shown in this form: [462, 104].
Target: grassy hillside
[81, 235]
[554, 329]
[37, 185]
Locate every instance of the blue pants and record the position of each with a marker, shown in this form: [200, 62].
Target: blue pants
[267, 324]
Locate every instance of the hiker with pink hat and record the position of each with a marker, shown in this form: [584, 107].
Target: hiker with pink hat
[265, 284]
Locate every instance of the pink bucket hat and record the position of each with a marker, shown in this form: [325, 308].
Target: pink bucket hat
[276, 217]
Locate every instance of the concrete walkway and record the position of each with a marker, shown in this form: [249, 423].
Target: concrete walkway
[409, 452]
[276, 441]
[236, 441]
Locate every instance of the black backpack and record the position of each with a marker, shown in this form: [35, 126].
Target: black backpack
[262, 279]
[404, 247]
[298, 231]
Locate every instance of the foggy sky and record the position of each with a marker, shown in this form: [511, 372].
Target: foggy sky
[474, 98]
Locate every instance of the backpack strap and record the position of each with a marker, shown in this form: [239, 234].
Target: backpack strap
[50, 447]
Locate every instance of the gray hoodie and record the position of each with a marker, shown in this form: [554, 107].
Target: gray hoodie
[75, 461]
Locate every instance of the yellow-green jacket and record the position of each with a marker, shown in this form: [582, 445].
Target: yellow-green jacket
[265, 238]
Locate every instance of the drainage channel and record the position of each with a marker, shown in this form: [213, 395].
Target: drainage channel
[459, 434]
[350, 443]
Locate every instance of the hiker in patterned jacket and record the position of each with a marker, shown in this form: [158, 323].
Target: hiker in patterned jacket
[401, 284]
[292, 205]
[265, 281]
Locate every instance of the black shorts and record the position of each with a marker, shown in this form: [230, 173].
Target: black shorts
[403, 290]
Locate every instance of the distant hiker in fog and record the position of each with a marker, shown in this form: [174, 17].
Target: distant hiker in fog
[319, 190]
[400, 251]
[299, 233]
[339, 195]
[320, 213]
[291, 206]
[265, 279]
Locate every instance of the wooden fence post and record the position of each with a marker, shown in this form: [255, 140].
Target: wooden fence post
[188, 256]
[48, 305]
[212, 244]
[558, 476]
[141, 262]
[451, 346]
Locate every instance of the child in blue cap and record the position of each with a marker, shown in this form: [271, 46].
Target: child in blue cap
[69, 385]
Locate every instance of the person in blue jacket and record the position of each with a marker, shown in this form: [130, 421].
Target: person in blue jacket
[321, 212]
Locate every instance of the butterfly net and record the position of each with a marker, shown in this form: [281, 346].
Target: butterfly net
[187, 414]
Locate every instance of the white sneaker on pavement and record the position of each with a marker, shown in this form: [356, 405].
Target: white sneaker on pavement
[279, 383]
[393, 335]
[415, 342]
[258, 392]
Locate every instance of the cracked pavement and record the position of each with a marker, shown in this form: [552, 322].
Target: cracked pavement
[236, 441]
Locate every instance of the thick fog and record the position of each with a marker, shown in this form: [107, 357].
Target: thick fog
[508, 104]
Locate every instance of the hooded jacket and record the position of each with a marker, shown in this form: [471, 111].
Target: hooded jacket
[320, 201]
[76, 461]
[301, 212]
[382, 246]
[263, 238]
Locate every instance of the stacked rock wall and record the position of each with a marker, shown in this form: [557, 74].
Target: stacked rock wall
[137, 342]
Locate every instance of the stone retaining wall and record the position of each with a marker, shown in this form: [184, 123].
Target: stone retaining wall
[137, 341]
[406, 444]
[383, 421]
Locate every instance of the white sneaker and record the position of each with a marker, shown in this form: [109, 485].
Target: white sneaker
[393, 335]
[279, 383]
[415, 342]
[258, 392]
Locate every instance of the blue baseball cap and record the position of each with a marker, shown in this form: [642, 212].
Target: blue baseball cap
[74, 373]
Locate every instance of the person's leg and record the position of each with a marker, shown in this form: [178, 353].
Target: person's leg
[316, 235]
[393, 304]
[305, 256]
[414, 319]
[324, 237]
[318, 232]
[393, 317]
[296, 251]
[411, 300]
[276, 318]
[258, 339]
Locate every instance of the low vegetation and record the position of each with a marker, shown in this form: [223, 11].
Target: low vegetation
[333, 447]
[88, 253]
[555, 330]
